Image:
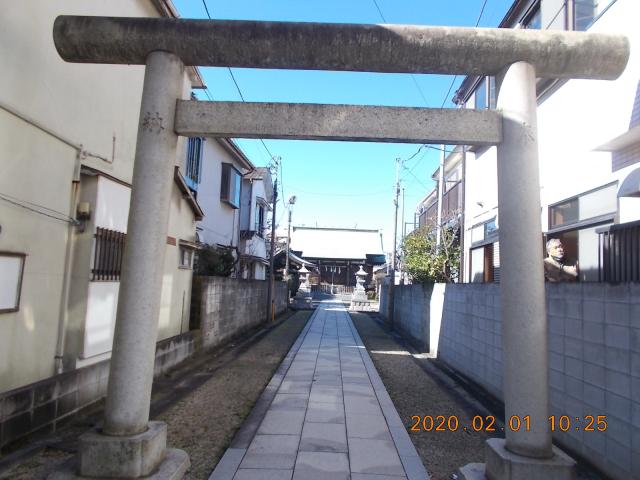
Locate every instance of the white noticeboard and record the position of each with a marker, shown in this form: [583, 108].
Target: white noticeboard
[10, 280]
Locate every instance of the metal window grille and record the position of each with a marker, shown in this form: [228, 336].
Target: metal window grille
[107, 255]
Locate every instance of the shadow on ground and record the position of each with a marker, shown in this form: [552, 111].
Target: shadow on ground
[418, 387]
[204, 402]
[415, 393]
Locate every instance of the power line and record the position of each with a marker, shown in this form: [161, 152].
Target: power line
[235, 82]
[379, 11]
[456, 76]
[424, 99]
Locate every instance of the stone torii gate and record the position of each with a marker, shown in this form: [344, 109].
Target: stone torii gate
[129, 445]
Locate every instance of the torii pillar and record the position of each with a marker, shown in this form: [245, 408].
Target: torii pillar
[516, 57]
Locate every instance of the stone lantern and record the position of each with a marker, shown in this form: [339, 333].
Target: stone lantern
[359, 300]
[302, 300]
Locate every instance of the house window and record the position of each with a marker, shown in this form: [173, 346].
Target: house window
[230, 185]
[485, 253]
[592, 204]
[586, 11]
[11, 270]
[194, 162]
[108, 250]
[485, 264]
[574, 222]
[186, 258]
[490, 228]
[533, 18]
[260, 220]
[485, 93]
[481, 94]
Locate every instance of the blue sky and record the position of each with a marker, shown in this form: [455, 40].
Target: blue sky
[343, 184]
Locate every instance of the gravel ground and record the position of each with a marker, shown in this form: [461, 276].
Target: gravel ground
[418, 387]
[414, 392]
[204, 402]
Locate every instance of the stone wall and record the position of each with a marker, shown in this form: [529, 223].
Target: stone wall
[230, 306]
[594, 356]
[49, 404]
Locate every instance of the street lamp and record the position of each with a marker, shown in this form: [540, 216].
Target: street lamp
[290, 203]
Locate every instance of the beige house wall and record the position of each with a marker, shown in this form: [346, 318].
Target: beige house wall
[45, 105]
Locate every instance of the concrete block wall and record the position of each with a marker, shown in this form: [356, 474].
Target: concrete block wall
[594, 357]
[470, 336]
[411, 317]
[47, 405]
[230, 306]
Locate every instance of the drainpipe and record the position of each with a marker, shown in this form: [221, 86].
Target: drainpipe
[63, 313]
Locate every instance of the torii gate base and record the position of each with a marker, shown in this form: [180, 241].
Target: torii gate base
[502, 464]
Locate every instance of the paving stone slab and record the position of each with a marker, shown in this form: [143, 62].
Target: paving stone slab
[325, 394]
[272, 451]
[363, 405]
[367, 476]
[321, 466]
[325, 413]
[414, 468]
[292, 386]
[367, 426]
[323, 437]
[228, 464]
[289, 401]
[263, 474]
[374, 456]
[282, 422]
[359, 390]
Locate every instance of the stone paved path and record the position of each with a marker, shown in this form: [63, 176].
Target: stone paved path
[324, 415]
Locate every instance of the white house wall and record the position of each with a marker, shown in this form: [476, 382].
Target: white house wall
[175, 303]
[585, 114]
[33, 328]
[221, 222]
[576, 119]
[481, 196]
[98, 107]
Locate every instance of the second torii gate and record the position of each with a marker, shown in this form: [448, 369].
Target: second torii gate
[131, 446]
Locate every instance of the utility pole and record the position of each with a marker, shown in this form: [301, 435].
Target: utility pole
[270, 306]
[440, 194]
[390, 306]
[404, 224]
[290, 203]
[404, 234]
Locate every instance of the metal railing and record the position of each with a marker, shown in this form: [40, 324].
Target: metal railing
[619, 253]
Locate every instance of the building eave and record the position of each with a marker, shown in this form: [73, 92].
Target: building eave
[232, 148]
[187, 195]
[627, 139]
